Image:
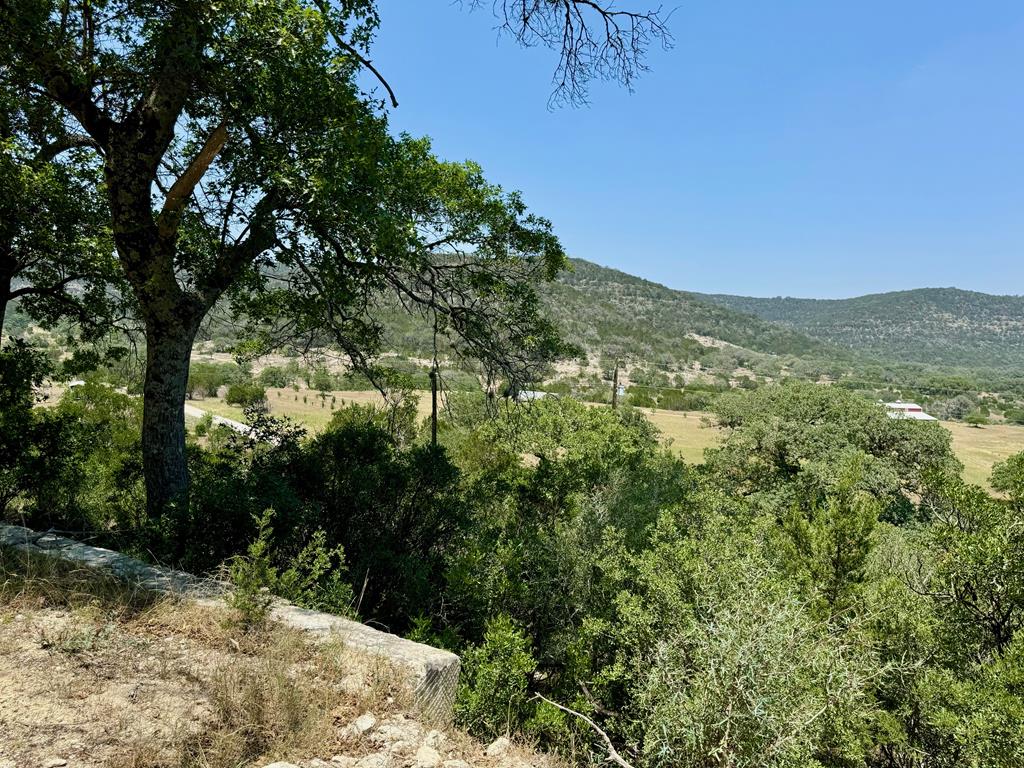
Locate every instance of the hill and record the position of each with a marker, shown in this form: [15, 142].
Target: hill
[941, 326]
[617, 313]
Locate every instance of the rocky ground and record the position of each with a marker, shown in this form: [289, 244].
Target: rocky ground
[93, 676]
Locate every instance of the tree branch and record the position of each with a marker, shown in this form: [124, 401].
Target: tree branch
[181, 190]
[341, 43]
[48, 152]
[613, 754]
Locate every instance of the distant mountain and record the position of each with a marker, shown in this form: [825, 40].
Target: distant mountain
[943, 326]
[616, 313]
[613, 314]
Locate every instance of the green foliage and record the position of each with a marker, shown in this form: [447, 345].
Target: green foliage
[204, 425]
[274, 376]
[493, 696]
[826, 545]
[205, 379]
[253, 576]
[22, 370]
[1008, 477]
[755, 682]
[245, 395]
[976, 546]
[910, 326]
[315, 578]
[793, 440]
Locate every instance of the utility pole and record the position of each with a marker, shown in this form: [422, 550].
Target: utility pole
[615, 386]
[433, 406]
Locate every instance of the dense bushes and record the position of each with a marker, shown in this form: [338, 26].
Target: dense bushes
[823, 592]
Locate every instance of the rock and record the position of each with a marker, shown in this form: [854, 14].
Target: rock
[456, 764]
[316, 762]
[55, 762]
[393, 733]
[427, 757]
[435, 739]
[401, 747]
[359, 726]
[498, 747]
[281, 765]
[344, 761]
[374, 761]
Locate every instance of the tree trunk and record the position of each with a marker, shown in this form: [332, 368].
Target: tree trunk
[168, 348]
[6, 281]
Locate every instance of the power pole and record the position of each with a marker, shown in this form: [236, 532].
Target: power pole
[615, 386]
[433, 406]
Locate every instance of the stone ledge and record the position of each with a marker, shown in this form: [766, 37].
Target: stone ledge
[432, 674]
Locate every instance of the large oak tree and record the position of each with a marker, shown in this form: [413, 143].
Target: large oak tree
[241, 159]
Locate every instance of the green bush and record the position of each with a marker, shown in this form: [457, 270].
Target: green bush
[273, 376]
[245, 394]
[206, 379]
[493, 696]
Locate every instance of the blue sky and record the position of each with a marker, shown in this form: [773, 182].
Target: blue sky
[797, 147]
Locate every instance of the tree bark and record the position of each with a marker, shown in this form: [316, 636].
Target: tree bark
[168, 350]
[8, 266]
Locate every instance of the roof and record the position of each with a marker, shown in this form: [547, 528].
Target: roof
[913, 411]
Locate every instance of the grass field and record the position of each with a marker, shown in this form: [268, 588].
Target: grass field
[981, 447]
[305, 406]
[686, 432]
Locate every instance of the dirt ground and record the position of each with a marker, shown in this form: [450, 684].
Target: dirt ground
[93, 674]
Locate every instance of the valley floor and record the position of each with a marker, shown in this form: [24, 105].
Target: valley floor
[688, 433]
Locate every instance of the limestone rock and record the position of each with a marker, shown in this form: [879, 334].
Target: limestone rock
[435, 739]
[455, 764]
[393, 733]
[498, 747]
[359, 726]
[344, 761]
[427, 757]
[55, 762]
[375, 761]
[281, 765]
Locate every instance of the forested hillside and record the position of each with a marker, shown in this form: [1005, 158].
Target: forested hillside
[929, 325]
[600, 306]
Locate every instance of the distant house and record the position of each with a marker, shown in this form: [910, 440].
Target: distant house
[913, 411]
[527, 395]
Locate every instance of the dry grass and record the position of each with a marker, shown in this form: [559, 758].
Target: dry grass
[314, 413]
[688, 433]
[102, 675]
[979, 448]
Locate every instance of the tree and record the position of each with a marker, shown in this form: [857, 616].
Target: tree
[233, 137]
[56, 253]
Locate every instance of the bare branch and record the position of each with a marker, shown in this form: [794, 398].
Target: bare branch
[182, 189]
[593, 37]
[613, 754]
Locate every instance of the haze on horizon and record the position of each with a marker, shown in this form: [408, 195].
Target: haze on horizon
[809, 151]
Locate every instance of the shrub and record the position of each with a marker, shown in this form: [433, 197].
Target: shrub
[493, 698]
[253, 576]
[272, 376]
[245, 394]
[204, 425]
[205, 379]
